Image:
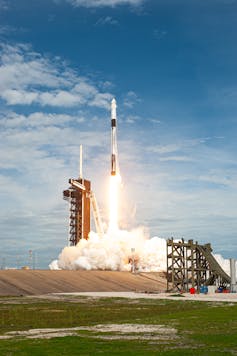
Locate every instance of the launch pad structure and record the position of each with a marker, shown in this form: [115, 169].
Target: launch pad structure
[81, 201]
[190, 265]
[78, 196]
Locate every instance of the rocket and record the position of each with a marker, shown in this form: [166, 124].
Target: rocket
[113, 138]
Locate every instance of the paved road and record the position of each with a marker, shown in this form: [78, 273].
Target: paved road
[217, 297]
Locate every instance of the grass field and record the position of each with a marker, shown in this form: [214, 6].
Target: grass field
[114, 326]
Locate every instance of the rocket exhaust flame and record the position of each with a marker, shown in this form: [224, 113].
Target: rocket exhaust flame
[113, 202]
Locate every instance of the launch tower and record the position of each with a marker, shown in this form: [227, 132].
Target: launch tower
[78, 195]
[81, 199]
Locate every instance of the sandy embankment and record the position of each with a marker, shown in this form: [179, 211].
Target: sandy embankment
[38, 282]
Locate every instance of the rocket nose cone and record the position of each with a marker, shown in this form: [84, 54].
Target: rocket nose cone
[113, 102]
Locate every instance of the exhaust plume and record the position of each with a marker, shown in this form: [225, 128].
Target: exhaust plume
[115, 251]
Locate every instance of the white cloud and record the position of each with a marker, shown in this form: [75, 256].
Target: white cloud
[108, 20]
[5, 29]
[60, 98]
[22, 68]
[29, 142]
[29, 78]
[180, 145]
[176, 158]
[36, 119]
[85, 89]
[220, 178]
[101, 100]
[14, 97]
[162, 149]
[131, 99]
[155, 121]
[132, 119]
[104, 3]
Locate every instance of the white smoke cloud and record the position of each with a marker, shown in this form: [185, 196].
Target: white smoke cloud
[224, 263]
[120, 251]
[115, 251]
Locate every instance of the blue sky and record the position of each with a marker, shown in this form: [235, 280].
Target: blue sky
[171, 64]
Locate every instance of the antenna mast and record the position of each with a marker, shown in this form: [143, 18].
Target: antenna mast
[80, 170]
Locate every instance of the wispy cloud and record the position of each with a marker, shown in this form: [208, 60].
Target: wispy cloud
[36, 119]
[220, 177]
[131, 99]
[104, 3]
[4, 5]
[186, 144]
[132, 119]
[108, 20]
[27, 77]
[159, 34]
[162, 149]
[5, 29]
[176, 158]
[155, 121]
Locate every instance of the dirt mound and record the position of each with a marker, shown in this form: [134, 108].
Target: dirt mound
[35, 282]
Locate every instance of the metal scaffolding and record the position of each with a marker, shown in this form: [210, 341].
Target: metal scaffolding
[78, 196]
[192, 265]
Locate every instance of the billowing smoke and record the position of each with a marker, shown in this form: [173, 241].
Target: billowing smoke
[224, 263]
[117, 251]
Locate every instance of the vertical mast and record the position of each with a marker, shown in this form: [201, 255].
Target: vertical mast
[80, 170]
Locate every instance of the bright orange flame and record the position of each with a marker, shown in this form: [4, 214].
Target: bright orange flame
[113, 200]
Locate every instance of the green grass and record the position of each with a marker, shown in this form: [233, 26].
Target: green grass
[202, 328]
